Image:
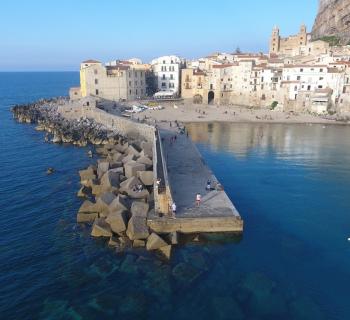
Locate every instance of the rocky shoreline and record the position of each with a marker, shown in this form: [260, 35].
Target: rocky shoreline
[118, 190]
[60, 130]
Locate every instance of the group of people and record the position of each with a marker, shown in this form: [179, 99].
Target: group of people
[198, 198]
[137, 188]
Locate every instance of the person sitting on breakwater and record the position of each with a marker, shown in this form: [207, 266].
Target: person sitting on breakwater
[198, 199]
[173, 208]
[208, 187]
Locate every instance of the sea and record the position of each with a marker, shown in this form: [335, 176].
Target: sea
[290, 183]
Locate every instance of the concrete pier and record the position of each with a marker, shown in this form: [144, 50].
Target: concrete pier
[188, 174]
[182, 173]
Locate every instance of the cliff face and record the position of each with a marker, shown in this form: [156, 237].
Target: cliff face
[333, 19]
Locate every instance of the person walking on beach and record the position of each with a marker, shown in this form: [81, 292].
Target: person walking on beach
[198, 199]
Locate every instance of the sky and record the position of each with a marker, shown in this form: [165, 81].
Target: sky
[56, 35]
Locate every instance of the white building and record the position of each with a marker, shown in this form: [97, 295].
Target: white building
[167, 70]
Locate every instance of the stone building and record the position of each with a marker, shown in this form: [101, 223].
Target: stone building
[114, 82]
[167, 72]
[292, 45]
[194, 85]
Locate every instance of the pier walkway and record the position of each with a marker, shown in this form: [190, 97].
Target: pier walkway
[188, 175]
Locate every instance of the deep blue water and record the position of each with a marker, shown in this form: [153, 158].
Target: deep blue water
[290, 183]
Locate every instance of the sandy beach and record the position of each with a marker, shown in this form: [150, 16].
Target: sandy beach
[186, 112]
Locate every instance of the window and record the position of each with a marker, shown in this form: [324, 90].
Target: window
[136, 91]
[321, 78]
[321, 70]
[130, 91]
[301, 70]
[95, 71]
[163, 61]
[129, 74]
[96, 92]
[320, 87]
[171, 77]
[163, 77]
[129, 83]
[295, 88]
[135, 83]
[96, 81]
[298, 78]
[163, 85]
[141, 82]
[308, 88]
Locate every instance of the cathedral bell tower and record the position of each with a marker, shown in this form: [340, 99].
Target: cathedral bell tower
[275, 40]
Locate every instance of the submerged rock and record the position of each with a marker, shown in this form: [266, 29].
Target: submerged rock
[101, 228]
[50, 170]
[166, 251]
[139, 243]
[185, 273]
[155, 242]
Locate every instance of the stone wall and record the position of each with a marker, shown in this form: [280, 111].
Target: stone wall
[122, 125]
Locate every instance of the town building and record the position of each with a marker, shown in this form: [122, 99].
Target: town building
[167, 72]
[291, 45]
[115, 81]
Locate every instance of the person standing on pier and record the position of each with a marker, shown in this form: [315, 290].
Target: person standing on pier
[198, 199]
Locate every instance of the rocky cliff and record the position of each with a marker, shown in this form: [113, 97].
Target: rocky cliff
[333, 21]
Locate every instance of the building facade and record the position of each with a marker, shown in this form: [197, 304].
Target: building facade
[167, 73]
[116, 82]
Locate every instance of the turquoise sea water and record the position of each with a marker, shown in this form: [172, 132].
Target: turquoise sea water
[291, 184]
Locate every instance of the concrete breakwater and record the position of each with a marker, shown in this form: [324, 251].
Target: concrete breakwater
[78, 131]
[129, 191]
[121, 192]
[120, 188]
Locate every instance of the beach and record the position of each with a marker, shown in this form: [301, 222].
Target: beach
[187, 112]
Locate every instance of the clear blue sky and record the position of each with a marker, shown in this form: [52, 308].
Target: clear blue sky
[58, 34]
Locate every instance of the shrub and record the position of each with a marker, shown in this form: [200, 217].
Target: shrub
[273, 105]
